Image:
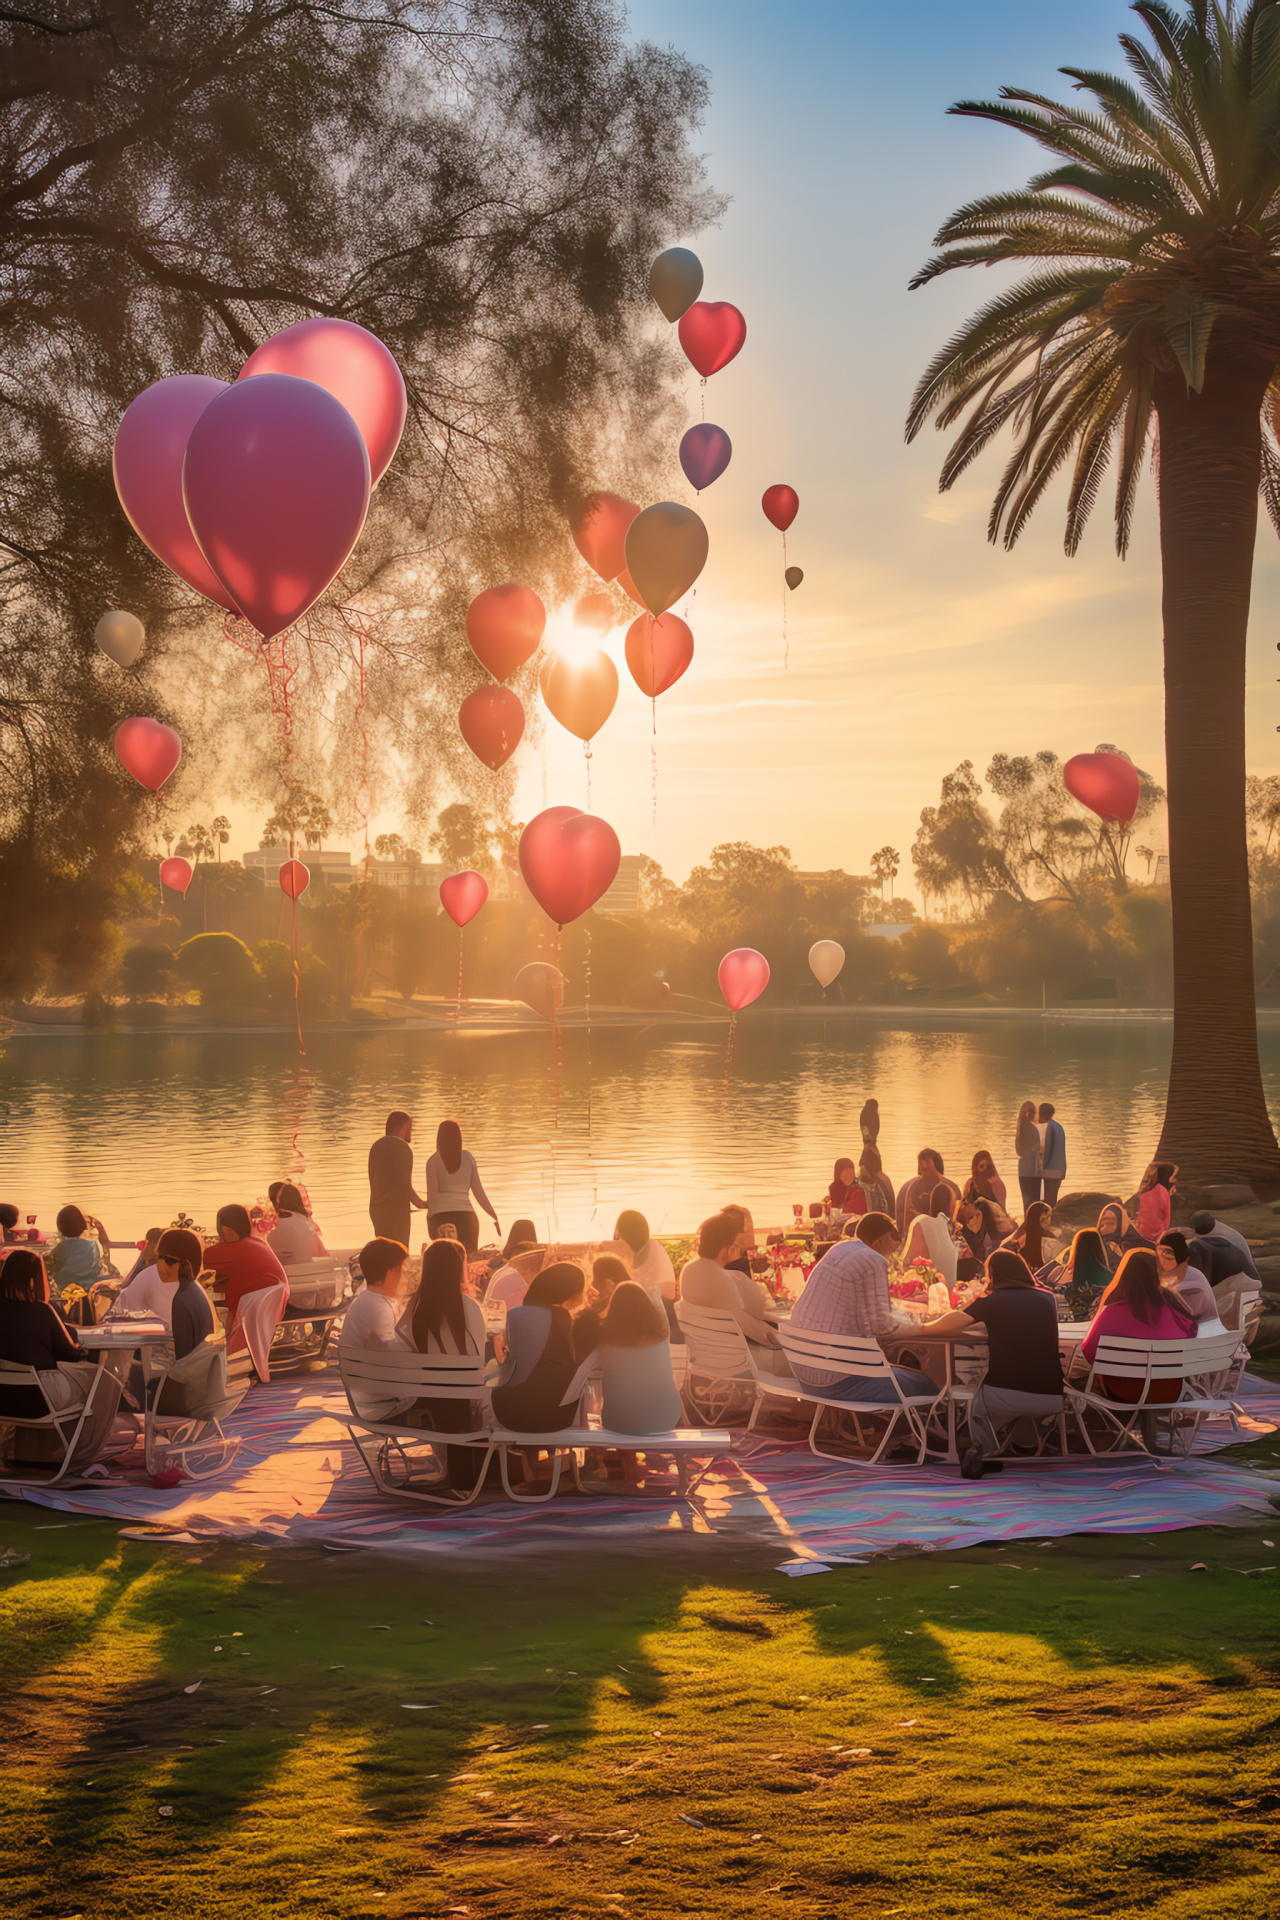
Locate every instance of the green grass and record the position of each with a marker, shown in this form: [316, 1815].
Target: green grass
[1048, 1734]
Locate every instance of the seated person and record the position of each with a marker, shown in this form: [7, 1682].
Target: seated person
[915, 1195]
[1188, 1285]
[75, 1259]
[704, 1282]
[295, 1236]
[510, 1283]
[146, 1292]
[640, 1394]
[1118, 1234]
[984, 1183]
[33, 1335]
[1024, 1371]
[1136, 1307]
[1086, 1275]
[876, 1186]
[739, 1260]
[146, 1253]
[372, 1320]
[1205, 1227]
[930, 1236]
[243, 1265]
[847, 1292]
[980, 1228]
[651, 1264]
[1034, 1239]
[178, 1264]
[1228, 1271]
[9, 1234]
[532, 1388]
[844, 1193]
[442, 1317]
[608, 1273]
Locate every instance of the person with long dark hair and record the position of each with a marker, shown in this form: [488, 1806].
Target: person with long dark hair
[878, 1194]
[531, 1392]
[844, 1190]
[1136, 1307]
[984, 1183]
[639, 1389]
[1155, 1199]
[1024, 1371]
[981, 1227]
[1026, 1144]
[295, 1235]
[1086, 1275]
[443, 1318]
[452, 1178]
[1030, 1238]
[1118, 1233]
[33, 1335]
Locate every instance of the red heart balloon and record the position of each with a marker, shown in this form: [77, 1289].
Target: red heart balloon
[491, 721]
[1106, 783]
[743, 977]
[711, 333]
[600, 530]
[294, 879]
[148, 750]
[658, 651]
[353, 365]
[505, 626]
[463, 894]
[176, 874]
[568, 859]
[781, 505]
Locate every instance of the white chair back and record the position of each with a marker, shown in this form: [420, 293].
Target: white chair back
[259, 1315]
[400, 1373]
[317, 1283]
[11, 1376]
[714, 1342]
[1150, 1361]
[842, 1354]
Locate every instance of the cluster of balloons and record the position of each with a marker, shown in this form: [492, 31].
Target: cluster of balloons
[744, 973]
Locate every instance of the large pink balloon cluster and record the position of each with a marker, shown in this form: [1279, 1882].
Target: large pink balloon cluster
[256, 493]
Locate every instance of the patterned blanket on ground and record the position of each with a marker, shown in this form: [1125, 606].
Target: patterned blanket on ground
[298, 1478]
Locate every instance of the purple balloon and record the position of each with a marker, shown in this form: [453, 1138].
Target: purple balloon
[705, 452]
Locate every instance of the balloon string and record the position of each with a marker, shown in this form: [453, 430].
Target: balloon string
[653, 759]
[297, 987]
[586, 750]
[556, 1069]
[457, 1014]
[704, 399]
[786, 644]
[362, 799]
[587, 998]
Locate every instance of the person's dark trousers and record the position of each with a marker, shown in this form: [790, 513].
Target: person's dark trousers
[1030, 1185]
[466, 1223]
[1051, 1183]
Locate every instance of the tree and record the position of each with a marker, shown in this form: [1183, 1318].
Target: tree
[221, 968]
[147, 971]
[1153, 308]
[483, 184]
[884, 864]
[302, 811]
[200, 841]
[956, 848]
[390, 846]
[220, 830]
[463, 838]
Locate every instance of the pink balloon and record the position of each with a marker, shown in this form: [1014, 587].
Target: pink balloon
[148, 750]
[294, 879]
[1106, 783]
[568, 859]
[463, 894]
[743, 977]
[147, 464]
[705, 452]
[176, 873]
[353, 365]
[276, 485]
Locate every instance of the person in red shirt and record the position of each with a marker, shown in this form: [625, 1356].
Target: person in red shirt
[243, 1265]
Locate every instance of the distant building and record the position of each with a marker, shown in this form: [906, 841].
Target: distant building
[403, 874]
[883, 930]
[624, 895]
[268, 861]
[1162, 870]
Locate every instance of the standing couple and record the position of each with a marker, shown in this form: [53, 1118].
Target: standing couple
[452, 1178]
[1041, 1146]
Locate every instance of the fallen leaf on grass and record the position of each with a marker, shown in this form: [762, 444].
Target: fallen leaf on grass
[11, 1557]
[460, 1779]
[194, 1688]
[553, 1840]
[262, 1690]
[379, 1629]
[689, 1820]
[1197, 1566]
[417, 1706]
[166, 1813]
[908, 1723]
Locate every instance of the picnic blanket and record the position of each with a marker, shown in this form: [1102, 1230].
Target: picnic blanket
[297, 1478]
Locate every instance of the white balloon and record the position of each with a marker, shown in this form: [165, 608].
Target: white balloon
[121, 637]
[826, 957]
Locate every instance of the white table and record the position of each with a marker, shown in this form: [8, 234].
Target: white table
[118, 1340]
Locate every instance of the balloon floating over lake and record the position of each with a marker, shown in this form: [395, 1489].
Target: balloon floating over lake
[675, 281]
[658, 652]
[491, 721]
[463, 894]
[600, 532]
[743, 975]
[541, 987]
[826, 958]
[667, 549]
[148, 750]
[121, 636]
[276, 485]
[568, 859]
[353, 365]
[176, 873]
[505, 627]
[581, 694]
[146, 463]
[712, 334]
[705, 452]
[1106, 783]
[793, 576]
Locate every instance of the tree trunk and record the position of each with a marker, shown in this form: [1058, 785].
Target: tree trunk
[1216, 1125]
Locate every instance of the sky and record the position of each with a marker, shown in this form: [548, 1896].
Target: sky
[912, 644]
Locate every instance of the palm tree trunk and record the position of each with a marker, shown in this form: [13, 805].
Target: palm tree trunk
[1216, 1125]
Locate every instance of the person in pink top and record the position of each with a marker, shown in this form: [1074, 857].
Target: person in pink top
[243, 1265]
[1136, 1307]
[1155, 1199]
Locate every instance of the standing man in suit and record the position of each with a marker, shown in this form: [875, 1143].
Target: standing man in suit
[1053, 1151]
[391, 1191]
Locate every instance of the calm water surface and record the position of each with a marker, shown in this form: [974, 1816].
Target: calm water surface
[136, 1128]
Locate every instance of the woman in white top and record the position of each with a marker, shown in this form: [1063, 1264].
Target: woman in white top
[295, 1236]
[650, 1265]
[931, 1236]
[451, 1180]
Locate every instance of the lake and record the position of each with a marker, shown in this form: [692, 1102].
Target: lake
[136, 1128]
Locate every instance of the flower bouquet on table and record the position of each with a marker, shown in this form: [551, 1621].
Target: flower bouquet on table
[920, 1288]
[781, 1264]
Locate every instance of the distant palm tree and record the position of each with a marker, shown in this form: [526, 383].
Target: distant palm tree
[1153, 316]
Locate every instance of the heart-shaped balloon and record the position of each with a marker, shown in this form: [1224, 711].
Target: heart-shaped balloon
[568, 859]
[781, 505]
[148, 750]
[826, 957]
[793, 576]
[600, 531]
[276, 485]
[658, 652]
[667, 549]
[581, 694]
[294, 879]
[705, 452]
[146, 461]
[743, 977]
[463, 894]
[120, 636]
[540, 986]
[712, 333]
[353, 365]
[491, 721]
[505, 626]
[675, 281]
[594, 610]
[1106, 783]
[176, 873]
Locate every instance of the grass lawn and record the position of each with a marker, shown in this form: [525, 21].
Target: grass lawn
[1081, 1728]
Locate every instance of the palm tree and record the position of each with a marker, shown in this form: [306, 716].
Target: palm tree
[1152, 318]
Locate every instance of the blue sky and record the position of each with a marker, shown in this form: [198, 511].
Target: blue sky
[913, 643]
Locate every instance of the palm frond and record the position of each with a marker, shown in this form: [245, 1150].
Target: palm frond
[1133, 441]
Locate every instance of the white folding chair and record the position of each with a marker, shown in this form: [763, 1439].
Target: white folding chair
[258, 1316]
[557, 1444]
[319, 1295]
[720, 1368]
[1194, 1366]
[66, 1423]
[197, 1441]
[392, 1450]
[849, 1355]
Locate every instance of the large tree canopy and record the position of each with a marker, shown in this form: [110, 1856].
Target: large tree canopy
[480, 182]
